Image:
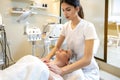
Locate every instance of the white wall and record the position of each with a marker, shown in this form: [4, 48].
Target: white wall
[18, 43]
[94, 12]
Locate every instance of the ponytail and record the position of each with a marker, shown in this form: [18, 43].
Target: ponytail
[81, 13]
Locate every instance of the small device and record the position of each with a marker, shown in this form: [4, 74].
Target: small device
[34, 34]
[55, 30]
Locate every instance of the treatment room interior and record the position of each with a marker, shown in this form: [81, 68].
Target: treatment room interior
[46, 16]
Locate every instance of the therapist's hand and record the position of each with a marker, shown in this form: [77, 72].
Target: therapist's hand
[45, 60]
[54, 68]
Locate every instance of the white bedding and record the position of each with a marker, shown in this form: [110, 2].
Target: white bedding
[27, 68]
[32, 68]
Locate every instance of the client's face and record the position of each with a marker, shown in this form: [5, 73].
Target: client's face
[63, 55]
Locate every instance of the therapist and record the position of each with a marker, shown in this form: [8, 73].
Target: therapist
[80, 36]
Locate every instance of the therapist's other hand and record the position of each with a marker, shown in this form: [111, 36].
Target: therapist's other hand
[45, 60]
[54, 68]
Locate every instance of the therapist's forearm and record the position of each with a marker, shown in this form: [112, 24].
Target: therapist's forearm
[84, 61]
[77, 65]
[57, 47]
[52, 53]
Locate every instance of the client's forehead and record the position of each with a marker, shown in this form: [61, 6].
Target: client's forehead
[65, 54]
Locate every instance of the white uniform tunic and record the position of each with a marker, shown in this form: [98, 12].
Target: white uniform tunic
[75, 40]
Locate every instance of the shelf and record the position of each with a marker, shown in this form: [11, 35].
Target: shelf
[17, 12]
[20, 12]
[38, 7]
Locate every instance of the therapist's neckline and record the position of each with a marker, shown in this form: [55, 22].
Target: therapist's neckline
[74, 25]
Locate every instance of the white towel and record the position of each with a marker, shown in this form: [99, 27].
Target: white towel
[27, 68]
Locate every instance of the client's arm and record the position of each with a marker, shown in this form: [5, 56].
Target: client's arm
[51, 77]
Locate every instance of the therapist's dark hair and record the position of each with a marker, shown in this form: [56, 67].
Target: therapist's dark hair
[75, 3]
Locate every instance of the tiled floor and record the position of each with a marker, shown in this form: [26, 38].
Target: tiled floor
[107, 76]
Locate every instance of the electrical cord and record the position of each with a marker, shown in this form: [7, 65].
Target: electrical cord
[10, 56]
[3, 45]
[5, 48]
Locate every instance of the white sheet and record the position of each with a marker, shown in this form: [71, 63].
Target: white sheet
[32, 68]
[27, 68]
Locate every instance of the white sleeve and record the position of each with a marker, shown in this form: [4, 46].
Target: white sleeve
[63, 31]
[90, 32]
